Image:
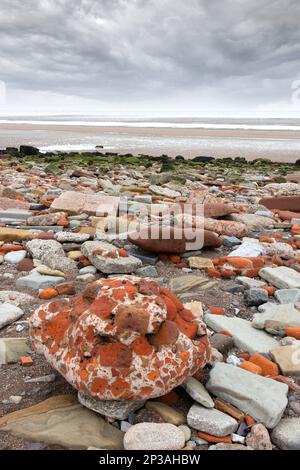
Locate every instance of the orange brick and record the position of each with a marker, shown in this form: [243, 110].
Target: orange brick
[214, 439]
[249, 420]
[175, 259]
[267, 367]
[216, 310]
[48, 293]
[270, 290]
[244, 355]
[231, 410]
[26, 361]
[250, 367]
[240, 263]
[293, 331]
[213, 273]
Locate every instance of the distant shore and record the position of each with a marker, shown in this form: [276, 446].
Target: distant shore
[279, 145]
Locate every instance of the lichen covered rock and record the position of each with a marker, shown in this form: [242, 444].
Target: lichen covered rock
[123, 339]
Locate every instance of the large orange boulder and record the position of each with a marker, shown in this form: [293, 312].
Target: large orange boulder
[122, 339]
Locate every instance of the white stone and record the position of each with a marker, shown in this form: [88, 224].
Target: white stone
[243, 334]
[248, 250]
[71, 237]
[38, 281]
[198, 392]
[287, 296]
[249, 282]
[285, 313]
[286, 435]
[281, 277]
[14, 257]
[262, 398]
[154, 436]
[105, 264]
[211, 421]
[8, 314]
[288, 359]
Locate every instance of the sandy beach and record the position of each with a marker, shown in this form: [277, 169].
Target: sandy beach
[277, 145]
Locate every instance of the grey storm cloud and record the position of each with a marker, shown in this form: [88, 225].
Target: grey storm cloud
[132, 49]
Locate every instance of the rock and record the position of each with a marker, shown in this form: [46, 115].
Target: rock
[226, 227]
[152, 436]
[28, 150]
[243, 334]
[71, 237]
[283, 250]
[197, 262]
[15, 257]
[211, 421]
[37, 281]
[7, 203]
[25, 265]
[290, 203]
[254, 223]
[62, 421]
[159, 190]
[46, 219]
[286, 434]
[42, 249]
[123, 324]
[108, 259]
[259, 438]
[147, 416]
[186, 431]
[147, 271]
[221, 342]
[13, 234]
[116, 409]
[248, 250]
[287, 296]
[168, 414]
[285, 314]
[181, 284]
[262, 398]
[222, 446]
[166, 239]
[12, 349]
[288, 359]
[48, 272]
[231, 241]
[75, 255]
[218, 209]
[281, 277]
[9, 313]
[75, 202]
[86, 278]
[255, 297]
[15, 297]
[198, 392]
[88, 270]
[250, 283]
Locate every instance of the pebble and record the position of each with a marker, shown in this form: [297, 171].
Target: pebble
[152, 436]
[211, 421]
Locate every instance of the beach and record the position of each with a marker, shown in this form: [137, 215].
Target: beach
[277, 142]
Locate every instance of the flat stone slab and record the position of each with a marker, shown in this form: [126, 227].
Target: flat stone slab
[116, 409]
[181, 284]
[67, 237]
[11, 349]
[286, 435]
[154, 436]
[285, 314]
[211, 421]
[14, 297]
[38, 281]
[15, 214]
[281, 277]
[7, 203]
[262, 398]
[287, 296]
[107, 264]
[8, 314]
[244, 335]
[75, 202]
[288, 359]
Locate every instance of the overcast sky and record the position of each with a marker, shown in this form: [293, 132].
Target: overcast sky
[192, 57]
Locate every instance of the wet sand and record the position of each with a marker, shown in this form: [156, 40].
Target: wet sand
[276, 145]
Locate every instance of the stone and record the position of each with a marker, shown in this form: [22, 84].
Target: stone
[168, 414]
[286, 434]
[75, 202]
[288, 359]
[186, 431]
[51, 253]
[38, 281]
[15, 257]
[290, 203]
[153, 436]
[222, 446]
[9, 313]
[281, 277]
[108, 259]
[255, 297]
[259, 438]
[254, 223]
[248, 250]
[13, 234]
[12, 349]
[243, 334]
[17, 206]
[159, 190]
[284, 314]
[211, 421]
[222, 343]
[88, 270]
[145, 257]
[122, 323]
[15, 297]
[48, 272]
[197, 262]
[216, 210]
[231, 241]
[147, 416]
[283, 250]
[230, 410]
[147, 271]
[250, 283]
[182, 284]
[62, 421]
[75, 255]
[71, 237]
[46, 219]
[116, 409]
[25, 265]
[86, 278]
[198, 392]
[262, 398]
[287, 296]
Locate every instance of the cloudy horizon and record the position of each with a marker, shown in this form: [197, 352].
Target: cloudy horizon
[155, 57]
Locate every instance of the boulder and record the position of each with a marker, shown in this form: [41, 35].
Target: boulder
[109, 259]
[262, 398]
[124, 324]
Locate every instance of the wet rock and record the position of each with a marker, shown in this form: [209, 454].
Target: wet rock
[152, 436]
[117, 409]
[255, 297]
[262, 398]
[116, 322]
